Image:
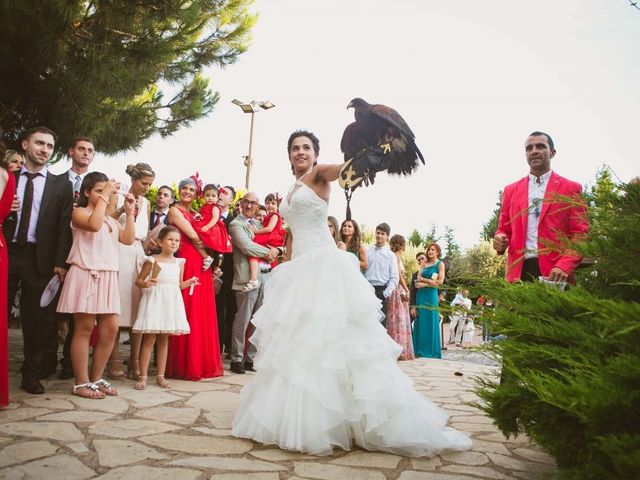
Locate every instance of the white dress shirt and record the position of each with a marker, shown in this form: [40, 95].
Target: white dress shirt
[382, 269]
[537, 188]
[38, 189]
[73, 175]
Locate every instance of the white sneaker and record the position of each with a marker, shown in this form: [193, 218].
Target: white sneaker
[251, 285]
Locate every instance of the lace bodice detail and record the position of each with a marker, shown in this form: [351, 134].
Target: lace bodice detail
[306, 214]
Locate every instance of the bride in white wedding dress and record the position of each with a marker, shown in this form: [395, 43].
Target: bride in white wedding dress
[326, 369]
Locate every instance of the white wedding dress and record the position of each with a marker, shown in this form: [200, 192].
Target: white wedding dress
[326, 369]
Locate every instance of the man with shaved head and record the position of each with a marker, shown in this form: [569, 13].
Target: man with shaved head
[247, 302]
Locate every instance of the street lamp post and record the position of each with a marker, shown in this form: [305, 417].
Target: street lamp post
[252, 108]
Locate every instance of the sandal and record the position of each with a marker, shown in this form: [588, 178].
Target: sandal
[162, 382]
[251, 285]
[206, 263]
[88, 390]
[105, 387]
[133, 370]
[114, 370]
[142, 383]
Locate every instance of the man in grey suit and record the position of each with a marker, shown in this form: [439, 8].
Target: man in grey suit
[247, 302]
[39, 238]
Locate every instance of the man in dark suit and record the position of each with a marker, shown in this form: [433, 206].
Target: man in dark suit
[225, 299]
[160, 213]
[39, 238]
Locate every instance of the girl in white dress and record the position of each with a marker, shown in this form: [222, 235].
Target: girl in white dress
[327, 374]
[161, 312]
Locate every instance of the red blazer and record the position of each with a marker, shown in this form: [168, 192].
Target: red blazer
[560, 219]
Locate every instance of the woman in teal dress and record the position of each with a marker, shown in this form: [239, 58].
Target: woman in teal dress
[426, 327]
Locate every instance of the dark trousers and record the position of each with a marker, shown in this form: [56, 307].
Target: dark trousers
[226, 304]
[39, 328]
[385, 302]
[530, 270]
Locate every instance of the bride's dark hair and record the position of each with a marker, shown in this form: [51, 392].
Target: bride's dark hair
[304, 133]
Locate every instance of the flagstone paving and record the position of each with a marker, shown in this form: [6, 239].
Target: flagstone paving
[184, 434]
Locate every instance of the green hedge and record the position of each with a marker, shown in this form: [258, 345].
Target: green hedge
[571, 360]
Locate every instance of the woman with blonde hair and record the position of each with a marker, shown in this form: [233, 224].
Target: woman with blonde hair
[12, 160]
[398, 320]
[132, 259]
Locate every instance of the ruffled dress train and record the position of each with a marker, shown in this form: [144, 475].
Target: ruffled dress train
[327, 374]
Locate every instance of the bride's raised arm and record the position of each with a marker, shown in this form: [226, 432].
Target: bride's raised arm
[328, 172]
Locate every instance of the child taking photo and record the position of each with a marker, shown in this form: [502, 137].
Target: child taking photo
[161, 312]
[272, 234]
[90, 291]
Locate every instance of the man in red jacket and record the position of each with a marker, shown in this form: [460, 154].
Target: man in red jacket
[540, 215]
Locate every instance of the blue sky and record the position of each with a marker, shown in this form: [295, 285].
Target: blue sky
[471, 77]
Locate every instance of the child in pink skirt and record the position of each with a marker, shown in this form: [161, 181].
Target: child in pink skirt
[90, 290]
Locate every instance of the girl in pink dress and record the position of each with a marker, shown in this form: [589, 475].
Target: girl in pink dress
[90, 291]
[209, 225]
[272, 234]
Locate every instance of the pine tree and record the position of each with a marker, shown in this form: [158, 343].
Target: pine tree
[450, 244]
[431, 236]
[117, 71]
[415, 238]
[489, 228]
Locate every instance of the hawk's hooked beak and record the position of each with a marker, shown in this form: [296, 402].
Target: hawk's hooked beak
[350, 105]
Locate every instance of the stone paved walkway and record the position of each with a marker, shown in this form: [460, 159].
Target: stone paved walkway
[183, 434]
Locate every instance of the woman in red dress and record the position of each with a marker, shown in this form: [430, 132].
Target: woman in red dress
[7, 189]
[197, 355]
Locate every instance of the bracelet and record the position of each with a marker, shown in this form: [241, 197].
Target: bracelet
[102, 197]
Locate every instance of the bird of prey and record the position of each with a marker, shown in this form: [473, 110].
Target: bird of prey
[379, 139]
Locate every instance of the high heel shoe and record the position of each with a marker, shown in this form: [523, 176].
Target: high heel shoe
[133, 370]
[114, 370]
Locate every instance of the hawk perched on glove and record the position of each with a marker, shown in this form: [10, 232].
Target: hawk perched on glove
[379, 139]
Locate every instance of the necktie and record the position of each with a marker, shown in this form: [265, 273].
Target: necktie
[157, 220]
[27, 203]
[76, 188]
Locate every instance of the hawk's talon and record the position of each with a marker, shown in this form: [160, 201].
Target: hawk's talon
[386, 148]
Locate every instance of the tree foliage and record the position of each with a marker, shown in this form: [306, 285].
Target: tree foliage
[489, 228]
[477, 264]
[571, 360]
[415, 238]
[117, 71]
[450, 245]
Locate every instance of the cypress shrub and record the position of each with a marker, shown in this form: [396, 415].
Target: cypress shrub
[571, 360]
